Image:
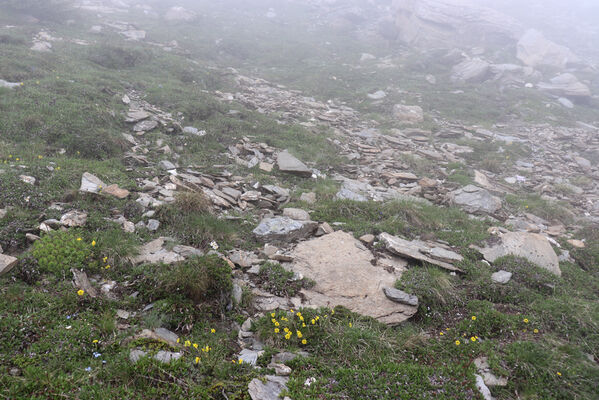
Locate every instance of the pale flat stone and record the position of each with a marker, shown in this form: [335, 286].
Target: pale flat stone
[531, 246]
[7, 263]
[345, 276]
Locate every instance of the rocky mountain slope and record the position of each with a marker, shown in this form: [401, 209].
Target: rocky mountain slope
[304, 200]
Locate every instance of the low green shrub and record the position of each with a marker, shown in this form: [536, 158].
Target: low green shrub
[57, 252]
[277, 280]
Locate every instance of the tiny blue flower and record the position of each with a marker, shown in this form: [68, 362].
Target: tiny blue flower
[88, 369]
[96, 354]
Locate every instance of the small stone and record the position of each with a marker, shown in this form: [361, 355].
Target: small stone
[123, 314]
[129, 227]
[324, 229]
[250, 356]
[309, 198]
[167, 165]
[31, 238]
[400, 296]
[30, 180]
[135, 355]
[266, 167]
[7, 263]
[367, 239]
[153, 225]
[167, 356]
[236, 294]
[577, 243]
[284, 229]
[116, 191]
[281, 369]
[73, 219]
[269, 390]
[288, 163]
[145, 126]
[501, 277]
[297, 214]
[91, 183]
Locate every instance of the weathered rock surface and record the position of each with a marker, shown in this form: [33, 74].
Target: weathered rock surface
[344, 275]
[9, 85]
[296, 213]
[532, 246]
[288, 163]
[116, 191]
[475, 200]
[91, 183]
[399, 296]
[268, 390]
[417, 250]
[566, 85]
[408, 114]
[7, 263]
[284, 229]
[73, 219]
[432, 22]
[153, 253]
[535, 50]
[471, 71]
[501, 277]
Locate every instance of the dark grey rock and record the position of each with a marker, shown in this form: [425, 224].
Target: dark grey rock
[284, 229]
[400, 296]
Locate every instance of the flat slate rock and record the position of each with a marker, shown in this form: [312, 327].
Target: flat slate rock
[415, 250]
[501, 277]
[531, 246]
[342, 269]
[288, 163]
[284, 229]
[475, 200]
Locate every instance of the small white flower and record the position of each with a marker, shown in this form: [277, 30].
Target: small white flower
[214, 245]
[309, 381]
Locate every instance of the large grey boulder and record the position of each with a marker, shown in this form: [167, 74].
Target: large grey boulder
[531, 246]
[288, 163]
[566, 85]
[345, 276]
[475, 200]
[535, 50]
[408, 114]
[284, 229]
[7, 263]
[471, 71]
[179, 14]
[270, 389]
[429, 23]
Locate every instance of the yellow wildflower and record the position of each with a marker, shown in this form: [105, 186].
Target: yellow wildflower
[473, 339]
[277, 323]
[304, 341]
[105, 259]
[78, 239]
[299, 334]
[187, 343]
[536, 330]
[240, 361]
[178, 340]
[303, 325]
[80, 292]
[525, 320]
[474, 318]
[212, 330]
[93, 242]
[286, 330]
[559, 373]
[195, 345]
[441, 333]
[350, 325]
[313, 321]
[95, 341]
[277, 330]
[457, 342]
[272, 314]
[301, 318]
[197, 360]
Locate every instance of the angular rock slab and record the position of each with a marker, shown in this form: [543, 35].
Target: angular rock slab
[475, 200]
[288, 163]
[269, 390]
[531, 246]
[7, 263]
[416, 250]
[345, 276]
[283, 229]
[91, 183]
